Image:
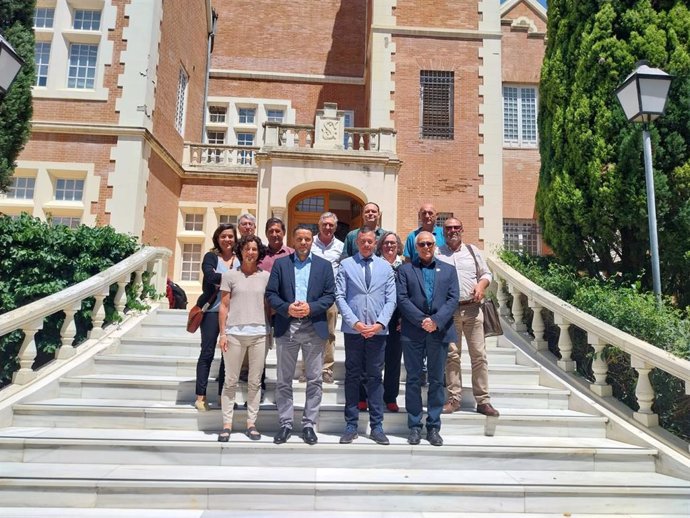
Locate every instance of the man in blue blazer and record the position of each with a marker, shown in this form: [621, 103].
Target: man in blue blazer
[300, 290]
[428, 296]
[365, 296]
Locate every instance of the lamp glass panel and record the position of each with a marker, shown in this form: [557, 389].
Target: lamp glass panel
[628, 99]
[9, 68]
[654, 93]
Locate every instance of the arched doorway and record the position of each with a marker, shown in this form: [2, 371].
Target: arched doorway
[306, 207]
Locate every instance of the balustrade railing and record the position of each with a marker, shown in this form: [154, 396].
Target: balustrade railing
[219, 155]
[302, 136]
[30, 318]
[643, 356]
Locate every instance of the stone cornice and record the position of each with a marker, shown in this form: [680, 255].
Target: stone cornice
[216, 73]
[460, 34]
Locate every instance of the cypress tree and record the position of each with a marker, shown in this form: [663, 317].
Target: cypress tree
[16, 25]
[591, 198]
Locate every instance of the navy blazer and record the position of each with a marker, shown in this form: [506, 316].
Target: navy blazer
[280, 293]
[412, 301]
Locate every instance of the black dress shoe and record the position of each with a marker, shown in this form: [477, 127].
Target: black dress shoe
[415, 436]
[434, 437]
[309, 436]
[283, 435]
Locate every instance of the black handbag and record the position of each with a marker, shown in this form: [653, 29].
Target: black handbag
[492, 322]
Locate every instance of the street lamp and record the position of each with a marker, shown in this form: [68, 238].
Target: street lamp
[643, 97]
[10, 63]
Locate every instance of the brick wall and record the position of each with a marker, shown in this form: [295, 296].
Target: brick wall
[520, 182]
[219, 191]
[183, 43]
[444, 172]
[439, 14]
[299, 36]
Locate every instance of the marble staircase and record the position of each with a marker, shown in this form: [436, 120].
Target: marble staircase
[118, 431]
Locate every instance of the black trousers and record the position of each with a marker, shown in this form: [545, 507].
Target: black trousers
[209, 340]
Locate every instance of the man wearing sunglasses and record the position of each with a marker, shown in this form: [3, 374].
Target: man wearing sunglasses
[473, 278]
[427, 299]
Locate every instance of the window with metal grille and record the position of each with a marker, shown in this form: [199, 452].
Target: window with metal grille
[191, 262]
[21, 188]
[181, 106]
[436, 104]
[519, 116]
[441, 218]
[522, 235]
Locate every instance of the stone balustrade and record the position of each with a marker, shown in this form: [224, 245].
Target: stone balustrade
[219, 155]
[303, 136]
[30, 318]
[643, 356]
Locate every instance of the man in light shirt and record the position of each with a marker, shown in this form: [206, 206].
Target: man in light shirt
[329, 247]
[474, 277]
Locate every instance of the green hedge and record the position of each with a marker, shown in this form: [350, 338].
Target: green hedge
[37, 260]
[624, 306]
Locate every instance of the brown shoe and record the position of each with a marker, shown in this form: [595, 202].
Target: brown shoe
[487, 410]
[452, 405]
[327, 377]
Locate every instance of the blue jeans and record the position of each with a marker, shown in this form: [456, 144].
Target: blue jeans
[364, 357]
[414, 354]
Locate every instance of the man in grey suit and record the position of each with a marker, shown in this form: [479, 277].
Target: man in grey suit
[365, 295]
[300, 290]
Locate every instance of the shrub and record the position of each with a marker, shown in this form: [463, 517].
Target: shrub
[37, 260]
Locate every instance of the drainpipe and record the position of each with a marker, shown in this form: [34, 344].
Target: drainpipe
[211, 38]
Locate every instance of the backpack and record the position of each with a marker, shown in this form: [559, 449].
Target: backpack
[177, 298]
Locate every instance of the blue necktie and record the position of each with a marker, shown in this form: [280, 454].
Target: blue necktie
[367, 271]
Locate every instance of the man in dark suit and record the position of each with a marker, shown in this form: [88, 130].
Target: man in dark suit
[428, 296]
[300, 290]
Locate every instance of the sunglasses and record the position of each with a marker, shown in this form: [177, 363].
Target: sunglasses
[425, 244]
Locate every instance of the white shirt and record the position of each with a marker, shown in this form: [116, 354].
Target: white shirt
[464, 265]
[330, 252]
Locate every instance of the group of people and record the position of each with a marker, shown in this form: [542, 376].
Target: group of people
[412, 303]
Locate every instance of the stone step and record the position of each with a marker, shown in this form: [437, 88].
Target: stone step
[61, 512]
[183, 389]
[183, 347]
[132, 446]
[332, 488]
[115, 413]
[186, 366]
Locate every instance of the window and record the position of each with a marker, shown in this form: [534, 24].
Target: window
[191, 262]
[441, 218]
[194, 222]
[245, 157]
[247, 115]
[21, 188]
[215, 137]
[87, 20]
[42, 57]
[275, 115]
[311, 204]
[436, 104]
[43, 17]
[82, 66]
[68, 221]
[519, 116]
[182, 83]
[522, 235]
[224, 219]
[348, 121]
[69, 190]
[217, 114]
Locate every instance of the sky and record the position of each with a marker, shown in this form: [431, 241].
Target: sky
[542, 2]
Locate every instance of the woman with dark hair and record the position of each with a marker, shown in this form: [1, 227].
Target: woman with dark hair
[243, 329]
[390, 248]
[218, 260]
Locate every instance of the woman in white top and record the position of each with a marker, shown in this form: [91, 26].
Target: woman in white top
[243, 322]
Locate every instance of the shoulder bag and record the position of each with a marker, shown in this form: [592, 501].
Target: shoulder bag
[196, 314]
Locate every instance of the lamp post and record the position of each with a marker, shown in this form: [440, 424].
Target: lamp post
[643, 97]
[10, 63]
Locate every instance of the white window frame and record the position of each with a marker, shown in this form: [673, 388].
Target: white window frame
[68, 221]
[28, 186]
[194, 222]
[42, 66]
[87, 81]
[94, 18]
[42, 14]
[190, 264]
[217, 114]
[272, 118]
[525, 95]
[247, 120]
[181, 102]
[72, 187]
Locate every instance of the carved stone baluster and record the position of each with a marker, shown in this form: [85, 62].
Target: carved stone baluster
[283, 136]
[565, 345]
[309, 138]
[350, 141]
[151, 270]
[502, 298]
[600, 367]
[27, 353]
[98, 314]
[121, 295]
[161, 276]
[374, 142]
[517, 310]
[68, 332]
[644, 393]
[138, 288]
[539, 343]
[360, 142]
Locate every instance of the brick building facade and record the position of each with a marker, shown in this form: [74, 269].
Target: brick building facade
[300, 107]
